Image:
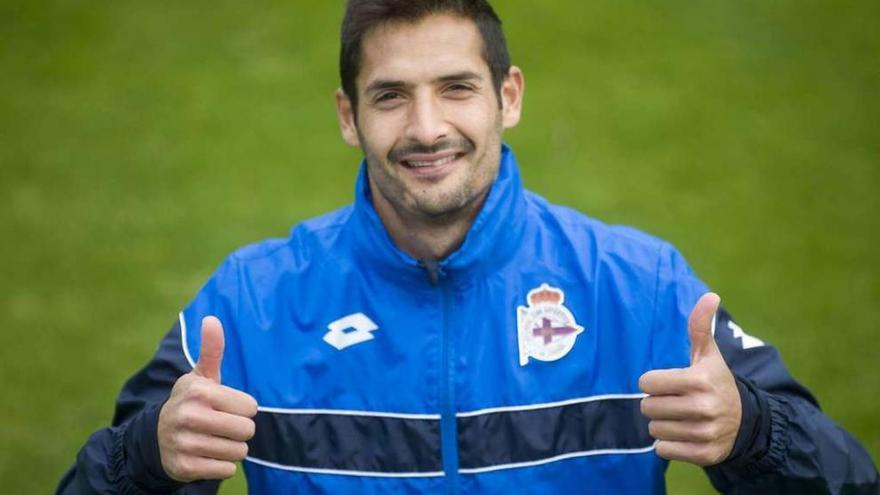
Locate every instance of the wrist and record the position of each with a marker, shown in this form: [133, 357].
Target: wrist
[752, 439]
[143, 460]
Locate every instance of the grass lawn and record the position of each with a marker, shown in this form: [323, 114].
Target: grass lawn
[140, 142]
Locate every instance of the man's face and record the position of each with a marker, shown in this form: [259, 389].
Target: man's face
[428, 116]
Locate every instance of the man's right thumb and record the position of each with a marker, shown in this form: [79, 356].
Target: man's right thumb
[211, 353]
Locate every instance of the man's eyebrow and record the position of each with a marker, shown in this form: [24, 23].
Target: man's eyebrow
[464, 75]
[382, 84]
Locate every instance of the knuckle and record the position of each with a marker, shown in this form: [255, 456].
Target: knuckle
[188, 417]
[185, 443]
[699, 433]
[713, 431]
[705, 459]
[185, 468]
[703, 432]
[704, 456]
[713, 408]
[701, 378]
[249, 429]
[199, 390]
[227, 470]
[663, 450]
[251, 406]
[719, 456]
[702, 407]
[241, 451]
[170, 467]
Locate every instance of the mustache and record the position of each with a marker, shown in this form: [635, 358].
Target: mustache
[463, 145]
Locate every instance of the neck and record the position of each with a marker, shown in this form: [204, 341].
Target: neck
[427, 238]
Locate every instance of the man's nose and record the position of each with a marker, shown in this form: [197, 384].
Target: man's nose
[427, 121]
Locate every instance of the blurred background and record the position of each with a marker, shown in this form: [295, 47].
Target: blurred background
[140, 142]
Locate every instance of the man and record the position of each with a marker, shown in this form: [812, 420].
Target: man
[451, 332]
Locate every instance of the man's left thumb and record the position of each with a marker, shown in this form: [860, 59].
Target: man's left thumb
[700, 327]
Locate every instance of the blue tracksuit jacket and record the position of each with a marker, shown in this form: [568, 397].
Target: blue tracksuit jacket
[512, 366]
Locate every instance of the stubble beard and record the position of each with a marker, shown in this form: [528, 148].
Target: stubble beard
[420, 204]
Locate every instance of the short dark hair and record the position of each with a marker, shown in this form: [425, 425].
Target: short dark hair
[363, 15]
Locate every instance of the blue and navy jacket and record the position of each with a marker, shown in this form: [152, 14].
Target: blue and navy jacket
[511, 366]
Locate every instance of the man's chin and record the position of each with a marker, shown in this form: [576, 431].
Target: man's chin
[446, 207]
[435, 206]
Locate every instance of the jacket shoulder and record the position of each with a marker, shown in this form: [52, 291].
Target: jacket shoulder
[308, 240]
[611, 242]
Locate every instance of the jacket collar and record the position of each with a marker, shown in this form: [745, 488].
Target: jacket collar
[490, 242]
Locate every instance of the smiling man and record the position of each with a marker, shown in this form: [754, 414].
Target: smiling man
[451, 332]
[429, 118]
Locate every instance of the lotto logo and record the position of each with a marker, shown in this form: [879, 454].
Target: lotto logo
[350, 330]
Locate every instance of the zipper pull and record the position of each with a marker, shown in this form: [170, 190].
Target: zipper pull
[433, 269]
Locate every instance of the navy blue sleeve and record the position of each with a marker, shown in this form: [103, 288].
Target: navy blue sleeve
[785, 444]
[124, 458]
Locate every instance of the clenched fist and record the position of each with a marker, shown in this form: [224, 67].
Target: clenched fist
[695, 412]
[204, 425]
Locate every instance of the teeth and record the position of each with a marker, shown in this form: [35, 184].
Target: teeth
[434, 163]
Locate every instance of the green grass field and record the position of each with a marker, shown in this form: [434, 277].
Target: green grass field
[142, 141]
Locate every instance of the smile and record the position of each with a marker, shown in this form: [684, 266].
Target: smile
[431, 167]
[435, 160]
[431, 163]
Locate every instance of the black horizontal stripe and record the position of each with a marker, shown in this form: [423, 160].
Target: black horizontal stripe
[379, 444]
[347, 442]
[510, 437]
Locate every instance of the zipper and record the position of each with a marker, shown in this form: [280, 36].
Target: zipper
[448, 424]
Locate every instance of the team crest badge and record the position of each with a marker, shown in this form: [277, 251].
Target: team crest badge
[547, 330]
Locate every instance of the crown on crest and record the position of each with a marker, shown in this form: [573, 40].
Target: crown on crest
[545, 295]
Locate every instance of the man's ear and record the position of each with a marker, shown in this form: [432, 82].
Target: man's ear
[512, 96]
[347, 124]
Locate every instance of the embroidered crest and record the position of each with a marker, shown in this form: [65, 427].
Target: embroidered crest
[547, 330]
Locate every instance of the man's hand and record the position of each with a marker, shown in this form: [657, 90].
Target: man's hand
[695, 412]
[203, 426]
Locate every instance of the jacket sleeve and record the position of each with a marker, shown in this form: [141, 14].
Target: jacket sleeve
[124, 458]
[785, 443]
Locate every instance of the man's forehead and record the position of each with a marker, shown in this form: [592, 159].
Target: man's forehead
[421, 50]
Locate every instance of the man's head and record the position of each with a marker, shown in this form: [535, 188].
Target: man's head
[427, 89]
[363, 15]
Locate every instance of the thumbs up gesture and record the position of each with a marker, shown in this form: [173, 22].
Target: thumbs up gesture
[694, 412]
[203, 426]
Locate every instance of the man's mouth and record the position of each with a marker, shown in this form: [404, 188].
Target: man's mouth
[433, 160]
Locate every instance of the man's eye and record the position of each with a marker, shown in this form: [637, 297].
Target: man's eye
[389, 96]
[459, 91]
